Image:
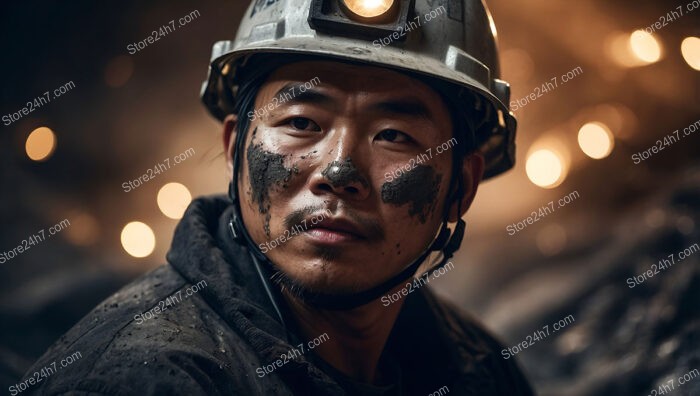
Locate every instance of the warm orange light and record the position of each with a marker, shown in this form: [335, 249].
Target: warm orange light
[369, 8]
[645, 46]
[173, 199]
[40, 144]
[595, 140]
[690, 48]
[138, 239]
[545, 168]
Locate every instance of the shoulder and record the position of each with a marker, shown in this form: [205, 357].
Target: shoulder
[141, 340]
[470, 339]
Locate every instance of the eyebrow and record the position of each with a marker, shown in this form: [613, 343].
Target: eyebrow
[400, 107]
[292, 92]
[405, 107]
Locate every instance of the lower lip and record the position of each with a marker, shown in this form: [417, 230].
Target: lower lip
[324, 235]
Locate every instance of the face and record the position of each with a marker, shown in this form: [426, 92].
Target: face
[341, 185]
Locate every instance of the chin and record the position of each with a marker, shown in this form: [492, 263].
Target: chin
[329, 278]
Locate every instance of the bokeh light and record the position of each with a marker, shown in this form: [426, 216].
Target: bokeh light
[690, 48]
[138, 239]
[40, 144]
[173, 199]
[84, 229]
[655, 218]
[596, 140]
[545, 168]
[551, 240]
[118, 71]
[645, 46]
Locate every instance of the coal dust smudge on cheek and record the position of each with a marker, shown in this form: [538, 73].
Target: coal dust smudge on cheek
[419, 188]
[265, 170]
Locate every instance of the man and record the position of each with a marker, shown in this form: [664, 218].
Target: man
[353, 139]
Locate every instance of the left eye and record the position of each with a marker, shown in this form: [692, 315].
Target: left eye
[394, 136]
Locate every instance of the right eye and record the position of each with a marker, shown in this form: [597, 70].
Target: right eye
[303, 124]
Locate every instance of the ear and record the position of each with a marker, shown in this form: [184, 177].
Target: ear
[229, 140]
[472, 173]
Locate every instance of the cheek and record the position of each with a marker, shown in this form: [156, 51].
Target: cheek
[266, 170]
[417, 188]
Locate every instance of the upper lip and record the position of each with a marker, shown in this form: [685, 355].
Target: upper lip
[339, 224]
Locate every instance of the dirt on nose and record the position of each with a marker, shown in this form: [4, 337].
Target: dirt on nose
[343, 173]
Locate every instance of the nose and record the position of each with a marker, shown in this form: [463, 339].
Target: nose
[342, 178]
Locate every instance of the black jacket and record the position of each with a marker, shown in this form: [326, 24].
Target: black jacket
[212, 340]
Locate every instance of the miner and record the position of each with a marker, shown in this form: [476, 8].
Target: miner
[308, 314]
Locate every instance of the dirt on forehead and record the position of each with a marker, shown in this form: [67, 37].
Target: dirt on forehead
[419, 187]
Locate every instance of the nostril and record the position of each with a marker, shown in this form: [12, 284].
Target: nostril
[325, 187]
[352, 190]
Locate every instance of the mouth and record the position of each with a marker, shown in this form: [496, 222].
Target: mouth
[334, 230]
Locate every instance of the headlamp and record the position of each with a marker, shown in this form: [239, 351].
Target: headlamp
[364, 19]
[368, 8]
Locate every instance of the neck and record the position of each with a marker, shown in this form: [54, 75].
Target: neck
[356, 338]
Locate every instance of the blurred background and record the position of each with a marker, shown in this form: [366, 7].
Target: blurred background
[594, 83]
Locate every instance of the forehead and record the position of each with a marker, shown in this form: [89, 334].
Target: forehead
[344, 79]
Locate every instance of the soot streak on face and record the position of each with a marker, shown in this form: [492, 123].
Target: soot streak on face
[266, 169]
[419, 187]
[343, 173]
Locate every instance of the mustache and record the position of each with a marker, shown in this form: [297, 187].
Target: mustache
[370, 227]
